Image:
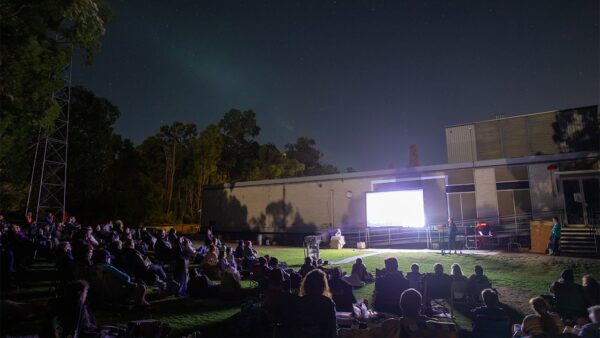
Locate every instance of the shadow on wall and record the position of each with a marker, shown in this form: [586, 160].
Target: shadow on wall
[233, 215]
[355, 217]
[289, 226]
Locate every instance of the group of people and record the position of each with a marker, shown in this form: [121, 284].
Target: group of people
[111, 263]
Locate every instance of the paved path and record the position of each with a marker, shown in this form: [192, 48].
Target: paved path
[373, 252]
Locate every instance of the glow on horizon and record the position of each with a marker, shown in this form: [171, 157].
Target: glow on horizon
[402, 208]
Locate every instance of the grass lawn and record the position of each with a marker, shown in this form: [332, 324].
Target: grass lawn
[517, 276]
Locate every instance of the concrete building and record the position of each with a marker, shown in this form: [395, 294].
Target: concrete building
[505, 172]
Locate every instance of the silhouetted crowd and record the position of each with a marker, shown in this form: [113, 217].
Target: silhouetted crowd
[110, 265]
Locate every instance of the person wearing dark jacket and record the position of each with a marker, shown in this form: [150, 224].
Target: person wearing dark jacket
[141, 267]
[389, 287]
[569, 296]
[315, 313]
[307, 267]
[342, 291]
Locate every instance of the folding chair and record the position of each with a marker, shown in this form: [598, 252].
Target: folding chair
[458, 295]
[438, 298]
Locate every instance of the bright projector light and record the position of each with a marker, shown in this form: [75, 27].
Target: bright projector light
[396, 209]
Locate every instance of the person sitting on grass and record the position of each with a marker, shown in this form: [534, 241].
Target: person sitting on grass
[307, 267]
[260, 271]
[230, 257]
[490, 320]
[389, 287]
[224, 264]
[279, 303]
[249, 252]
[591, 290]
[341, 291]
[476, 283]
[415, 278]
[119, 283]
[315, 311]
[360, 270]
[542, 322]
[491, 305]
[211, 259]
[413, 323]
[457, 275]
[569, 296]
[239, 250]
[200, 286]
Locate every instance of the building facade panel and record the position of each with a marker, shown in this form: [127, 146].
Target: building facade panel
[460, 144]
[489, 140]
[485, 193]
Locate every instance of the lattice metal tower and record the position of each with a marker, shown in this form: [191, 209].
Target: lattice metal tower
[48, 185]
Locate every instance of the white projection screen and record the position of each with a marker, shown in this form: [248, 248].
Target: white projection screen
[403, 208]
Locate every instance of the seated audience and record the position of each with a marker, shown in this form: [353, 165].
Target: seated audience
[437, 284]
[230, 256]
[314, 315]
[341, 291]
[211, 259]
[172, 236]
[163, 249]
[490, 320]
[389, 287]
[200, 286]
[359, 269]
[115, 284]
[591, 290]
[592, 329]
[542, 322]
[66, 267]
[239, 250]
[569, 296]
[224, 264]
[412, 323]
[249, 252]
[491, 305]
[415, 278]
[279, 303]
[209, 238]
[142, 268]
[230, 284]
[477, 283]
[307, 267]
[457, 275]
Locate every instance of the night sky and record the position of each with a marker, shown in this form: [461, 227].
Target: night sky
[365, 79]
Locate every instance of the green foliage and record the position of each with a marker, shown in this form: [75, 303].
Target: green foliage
[305, 152]
[38, 39]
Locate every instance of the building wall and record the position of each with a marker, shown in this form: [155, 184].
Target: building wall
[544, 194]
[461, 144]
[307, 206]
[485, 193]
[499, 194]
[525, 135]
